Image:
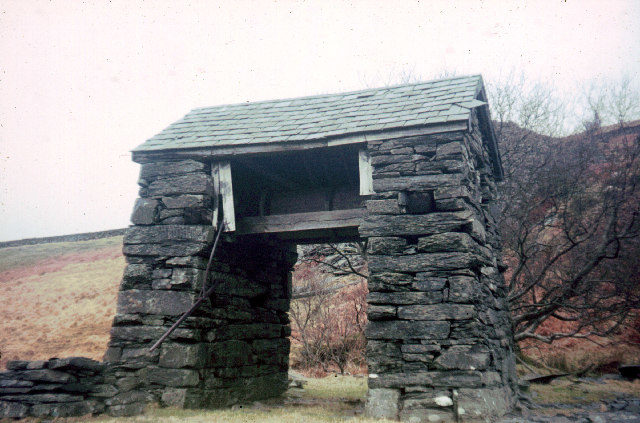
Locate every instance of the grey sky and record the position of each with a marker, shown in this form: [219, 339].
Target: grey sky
[82, 84]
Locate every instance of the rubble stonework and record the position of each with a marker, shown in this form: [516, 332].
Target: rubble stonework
[439, 334]
[235, 347]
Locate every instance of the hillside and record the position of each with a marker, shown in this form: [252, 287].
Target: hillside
[58, 299]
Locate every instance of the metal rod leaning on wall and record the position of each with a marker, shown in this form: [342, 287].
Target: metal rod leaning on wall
[203, 296]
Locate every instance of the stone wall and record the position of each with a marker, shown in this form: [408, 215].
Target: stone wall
[56, 388]
[439, 340]
[235, 347]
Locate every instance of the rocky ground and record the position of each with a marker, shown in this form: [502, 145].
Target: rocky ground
[581, 400]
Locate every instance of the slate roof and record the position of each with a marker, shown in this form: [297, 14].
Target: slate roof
[322, 116]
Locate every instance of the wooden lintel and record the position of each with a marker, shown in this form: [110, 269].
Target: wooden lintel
[323, 220]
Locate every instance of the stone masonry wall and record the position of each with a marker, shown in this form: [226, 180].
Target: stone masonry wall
[56, 388]
[439, 342]
[235, 347]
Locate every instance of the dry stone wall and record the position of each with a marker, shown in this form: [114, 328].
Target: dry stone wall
[439, 335]
[56, 388]
[235, 347]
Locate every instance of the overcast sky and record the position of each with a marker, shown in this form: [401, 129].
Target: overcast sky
[82, 83]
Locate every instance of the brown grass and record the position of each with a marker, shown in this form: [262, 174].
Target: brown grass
[60, 299]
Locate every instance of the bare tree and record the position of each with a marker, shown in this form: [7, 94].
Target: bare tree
[569, 217]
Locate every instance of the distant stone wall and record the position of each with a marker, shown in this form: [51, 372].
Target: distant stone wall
[439, 335]
[87, 236]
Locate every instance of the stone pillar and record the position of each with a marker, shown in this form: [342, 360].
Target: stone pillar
[235, 347]
[439, 335]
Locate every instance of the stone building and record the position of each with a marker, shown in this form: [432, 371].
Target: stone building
[410, 168]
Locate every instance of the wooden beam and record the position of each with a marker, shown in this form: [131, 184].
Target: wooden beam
[366, 172]
[215, 177]
[226, 190]
[324, 220]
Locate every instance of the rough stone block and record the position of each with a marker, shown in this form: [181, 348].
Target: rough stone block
[182, 249]
[156, 169]
[136, 273]
[78, 408]
[449, 241]
[389, 281]
[166, 303]
[13, 410]
[381, 312]
[416, 183]
[194, 262]
[144, 211]
[452, 150]
[462, 357]
[35, 365]
[462, 289]
[420, 348]
[398, 298]
[171, 377]
[136, 333]
[407, 330]
[427, 415]
[389, 206]
[230, 354]
[195, 183]
[382, 403]
[76, 363]
[477, 403]
[129, 397]
[386, 245]
[183, 355]
[46, 375]
[17, 364]
[425, 281]
[430, 399]
[184, 201]
[168, 233]
[412, 225]
[436, 312]
[426, 262]
[174, 397]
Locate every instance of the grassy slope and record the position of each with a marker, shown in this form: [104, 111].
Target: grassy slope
[58, 299]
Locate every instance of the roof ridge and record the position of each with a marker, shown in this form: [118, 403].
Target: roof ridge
[307, 97]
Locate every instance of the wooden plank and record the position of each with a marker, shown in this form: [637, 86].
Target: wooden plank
[226, 191]
[300, 221]
[366, 172]
[215, 177]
